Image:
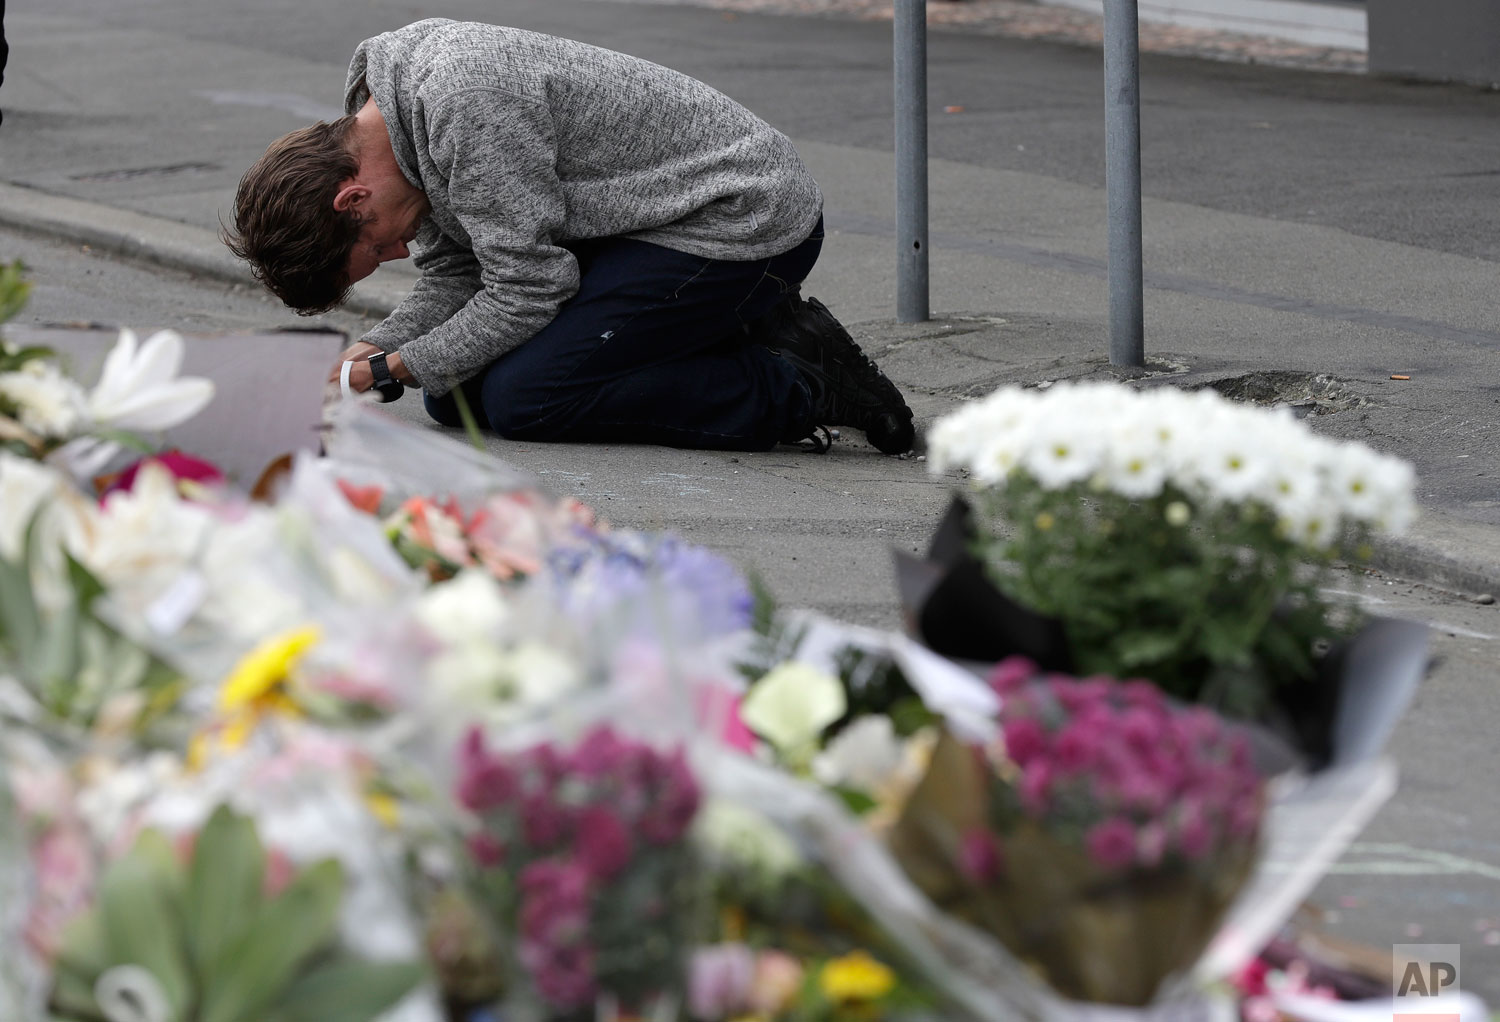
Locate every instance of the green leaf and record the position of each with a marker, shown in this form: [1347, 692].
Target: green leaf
[140, 924]
[252, 970]
[224, 883]
[857, 801]
[347, 990]
[74, 994]
[82, 949]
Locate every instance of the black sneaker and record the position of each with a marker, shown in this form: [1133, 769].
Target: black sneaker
[848, 389]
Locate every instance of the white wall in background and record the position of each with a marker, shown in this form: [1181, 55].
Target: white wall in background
[1335, 24]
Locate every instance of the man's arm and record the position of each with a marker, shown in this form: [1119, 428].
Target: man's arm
[498, 154]
[450, 278]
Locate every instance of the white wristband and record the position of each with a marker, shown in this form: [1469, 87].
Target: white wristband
[344, 380]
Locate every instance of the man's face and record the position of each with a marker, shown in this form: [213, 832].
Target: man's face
[391, 220]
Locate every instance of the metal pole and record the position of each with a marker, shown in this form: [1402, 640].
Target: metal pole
[1122, 175]
[912, 301]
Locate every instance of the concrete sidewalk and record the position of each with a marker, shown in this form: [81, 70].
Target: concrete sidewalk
[1313, 313]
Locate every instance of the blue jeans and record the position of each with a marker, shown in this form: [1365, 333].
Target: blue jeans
[652, 349]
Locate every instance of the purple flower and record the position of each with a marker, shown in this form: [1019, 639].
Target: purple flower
[1111, 844]
[1078, 746]
[604, 844]
[674, 803]
[1036, 786]
[486, 849]
[1011, 673]
[1194, 833]
[1024, 740]
[1151, 844]
[544, 822]
[721, 981]
[483, 782]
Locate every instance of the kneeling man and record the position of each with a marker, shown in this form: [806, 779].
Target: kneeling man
[609, 250]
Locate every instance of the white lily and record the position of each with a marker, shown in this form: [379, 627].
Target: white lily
[140, 389]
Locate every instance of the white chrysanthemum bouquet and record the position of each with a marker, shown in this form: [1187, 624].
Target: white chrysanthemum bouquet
[1175, 535]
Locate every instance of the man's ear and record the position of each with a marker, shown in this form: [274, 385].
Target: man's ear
[350, 196]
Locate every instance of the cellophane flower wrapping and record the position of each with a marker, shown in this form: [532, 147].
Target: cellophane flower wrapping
[1101, 841]
[1178, 536]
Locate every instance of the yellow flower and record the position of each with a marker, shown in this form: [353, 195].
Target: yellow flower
[856, 977]
[258, 681]
[256, 687]
[385, 808]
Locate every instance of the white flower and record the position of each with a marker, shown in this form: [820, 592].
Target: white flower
[144, 538]
[790, 706]
[139, 388]
[25, 486]
[47, 402]
[479, 675]
[866, 755]
[746, 838]
[470, 605]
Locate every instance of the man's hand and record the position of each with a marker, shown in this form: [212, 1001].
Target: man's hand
[361, 378]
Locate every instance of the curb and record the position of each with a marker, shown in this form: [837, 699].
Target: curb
[1442, 556]
[158, 241]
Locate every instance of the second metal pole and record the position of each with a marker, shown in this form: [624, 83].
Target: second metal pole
[910, 30]
[1122, 174]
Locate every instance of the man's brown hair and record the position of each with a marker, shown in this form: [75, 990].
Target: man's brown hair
[285, 225]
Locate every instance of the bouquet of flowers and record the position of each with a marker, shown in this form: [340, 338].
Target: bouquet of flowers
[45, 412]
[1171, 535]
[586, 856]
[1102, 840]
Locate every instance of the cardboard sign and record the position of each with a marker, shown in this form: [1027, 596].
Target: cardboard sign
[268, 396]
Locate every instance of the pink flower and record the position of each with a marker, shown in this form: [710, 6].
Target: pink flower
[1151, 845]
[674, 803]
[486, 849]
[979, 857]
[1111, 844]
[544, 821]
[604, 844]
[1077, 747]
[600, 754]
[1251, 980]
[1025, 740]
[721, 981]
[778, 979]
[484, 782]
[1036, 786]
[1194, 833]
[1011, 673]
[182, 467]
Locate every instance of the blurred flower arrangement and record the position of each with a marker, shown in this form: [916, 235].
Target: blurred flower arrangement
[1175, 535]
[1102, 839]
[424, 748]
[586, 853]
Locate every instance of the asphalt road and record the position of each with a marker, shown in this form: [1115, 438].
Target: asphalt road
[1414, 164]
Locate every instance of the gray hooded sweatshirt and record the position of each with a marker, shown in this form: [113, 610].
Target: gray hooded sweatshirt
[525, 142]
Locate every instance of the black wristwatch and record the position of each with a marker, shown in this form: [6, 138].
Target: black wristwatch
[387, 386]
